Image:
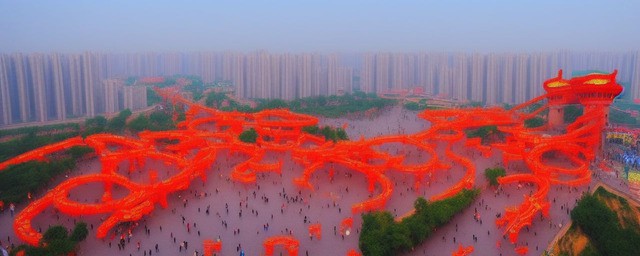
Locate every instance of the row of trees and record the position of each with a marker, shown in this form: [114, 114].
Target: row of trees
[39, 129]
[15, 147]
[156, 121]
[337, 106]
[381, 235]
[19, 180]
[603, 227]
[328, 106]
[334, 134]
[100, 124]
[329, 133]
[486, 133]
[419, 106]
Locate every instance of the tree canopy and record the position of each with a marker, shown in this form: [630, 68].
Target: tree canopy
[328, 132]
[534, 122]
[484, 133]
[492, 175]
[119, 122]
[249, 136]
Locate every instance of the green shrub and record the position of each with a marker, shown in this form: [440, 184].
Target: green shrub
[492, 175]
[329, 133]
[249, 136]
[18, 180]
[534, 122]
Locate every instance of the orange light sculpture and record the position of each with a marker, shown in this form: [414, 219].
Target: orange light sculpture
[211, 247]
[522, 250]
[353, 252]
[289, 242]
[206, 132]
[463, 251]
[315, 230]
[346, 224]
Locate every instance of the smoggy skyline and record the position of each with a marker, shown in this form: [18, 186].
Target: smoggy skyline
[319, 26]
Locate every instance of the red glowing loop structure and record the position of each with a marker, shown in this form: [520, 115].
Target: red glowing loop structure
[211, 247]
[315, 230]
[289, 242]
[346, 225]
[522, 250]
[463, 251]
[192, 150]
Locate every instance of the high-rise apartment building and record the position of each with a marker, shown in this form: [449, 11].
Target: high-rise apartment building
[111, 89]
[5, 97]
[134, 97]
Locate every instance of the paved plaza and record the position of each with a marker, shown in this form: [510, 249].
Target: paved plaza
[242, 216]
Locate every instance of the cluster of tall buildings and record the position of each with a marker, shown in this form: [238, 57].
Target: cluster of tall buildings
[493, 78]
[42, 87]
[49, 87]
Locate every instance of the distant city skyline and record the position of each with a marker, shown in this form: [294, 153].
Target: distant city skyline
[49, 87]
[318, 26]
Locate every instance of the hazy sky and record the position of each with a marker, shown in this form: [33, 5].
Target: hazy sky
[321, 26]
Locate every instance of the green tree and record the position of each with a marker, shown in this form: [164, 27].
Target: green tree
[492, 175]
[79, 151]
[311, 129]
[95, 125]
[272, 104]
[413, 106]
[55, 233]
[161, 121]
[249, 136]
[328, 133]
[79, 232]
[571, 113]
[376, 233]
[99, 121]
[341, 134]
[484, 132]
[139, 123]
[118, 123]
[215, 99]
[152, 97]
[534, 122]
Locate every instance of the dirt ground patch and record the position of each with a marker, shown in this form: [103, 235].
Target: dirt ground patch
[572, 243]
